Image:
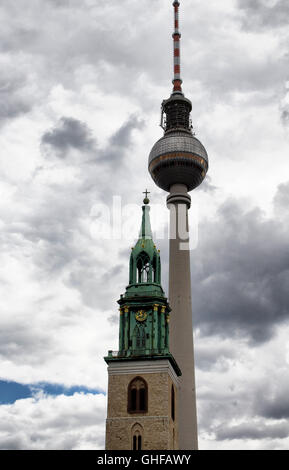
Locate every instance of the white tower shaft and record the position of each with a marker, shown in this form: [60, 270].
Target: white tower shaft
[181, 324]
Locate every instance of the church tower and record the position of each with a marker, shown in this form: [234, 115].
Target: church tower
[143, 376]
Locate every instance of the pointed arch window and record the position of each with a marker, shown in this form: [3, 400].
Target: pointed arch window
[137, 437]
[143, 267]
[140, 337]
[137, 396]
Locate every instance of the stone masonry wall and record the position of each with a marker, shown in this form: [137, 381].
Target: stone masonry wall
[157, 425]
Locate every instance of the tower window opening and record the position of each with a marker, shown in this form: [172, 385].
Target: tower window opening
[173, 403]
[137, 396]
[154, 267]
[137, 437]
[139, 442]
[143, 268]
[140, 338]
[142, 398]
[146, 270]
[133, 398]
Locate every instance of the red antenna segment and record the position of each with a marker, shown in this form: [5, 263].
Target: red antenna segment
[177, 81]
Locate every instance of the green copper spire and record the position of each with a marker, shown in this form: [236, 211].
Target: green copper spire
[144, 309]
[145, 266]
[145, 230]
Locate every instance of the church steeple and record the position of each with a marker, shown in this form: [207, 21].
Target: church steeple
[145, 266]
[144, 309]
[143, 374]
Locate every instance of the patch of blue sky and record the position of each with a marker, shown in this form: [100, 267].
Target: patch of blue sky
[12, 391]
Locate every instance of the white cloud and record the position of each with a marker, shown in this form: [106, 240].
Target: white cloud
[47, 423]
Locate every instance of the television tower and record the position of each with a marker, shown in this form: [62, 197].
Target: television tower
[178, 163]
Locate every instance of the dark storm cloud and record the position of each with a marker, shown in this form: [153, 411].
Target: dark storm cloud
[276, 407]
[259, 402]
[12, 443]
[240, 274]
[70, 133]
[120, 142]
[253, 430]
[12, 98]
[271, 399]
[262, 14]
[122, 137]
[208, 358]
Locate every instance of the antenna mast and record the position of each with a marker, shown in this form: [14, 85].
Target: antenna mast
[177, 81]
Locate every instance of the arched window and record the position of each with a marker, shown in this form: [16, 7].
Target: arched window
[137, 437]
[134, 445]
[140, 337]
[137, 442]
[173, 403]
[137, 396]
[143, 267]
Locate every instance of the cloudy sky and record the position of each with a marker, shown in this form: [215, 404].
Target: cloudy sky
[81, 85]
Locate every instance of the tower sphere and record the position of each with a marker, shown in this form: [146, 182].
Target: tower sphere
[178, 158]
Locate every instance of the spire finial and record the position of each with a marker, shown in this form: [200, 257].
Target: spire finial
[145, 230]
[146, 199]
[177, 81]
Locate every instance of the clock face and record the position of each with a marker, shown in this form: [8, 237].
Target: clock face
[141, 315]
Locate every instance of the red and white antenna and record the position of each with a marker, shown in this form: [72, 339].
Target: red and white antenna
[177, 81]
